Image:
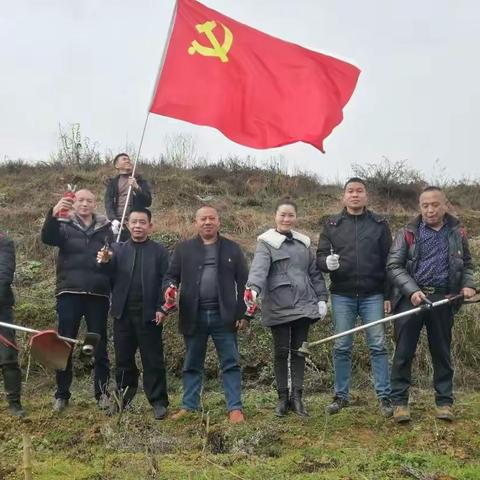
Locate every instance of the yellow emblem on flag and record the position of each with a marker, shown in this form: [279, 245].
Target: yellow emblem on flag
[216, 50]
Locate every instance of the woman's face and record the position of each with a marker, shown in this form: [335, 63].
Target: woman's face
[285, 218]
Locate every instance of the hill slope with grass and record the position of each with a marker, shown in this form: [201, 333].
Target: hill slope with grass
[356, 445]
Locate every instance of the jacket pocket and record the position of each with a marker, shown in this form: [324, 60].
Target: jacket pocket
[280, 291]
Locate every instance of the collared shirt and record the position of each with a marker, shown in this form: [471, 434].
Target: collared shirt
[432, 268]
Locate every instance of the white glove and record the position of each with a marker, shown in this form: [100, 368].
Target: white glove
[322, 309]
[115, 226]
[332, 262]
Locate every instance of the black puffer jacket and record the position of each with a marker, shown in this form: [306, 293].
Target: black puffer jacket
[7, 269]
[140, 199]
[363, 242]
[403, 259]
[77, 270]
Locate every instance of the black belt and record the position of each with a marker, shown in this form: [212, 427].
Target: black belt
[434, 290]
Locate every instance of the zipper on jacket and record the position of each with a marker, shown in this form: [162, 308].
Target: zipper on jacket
[356, 255]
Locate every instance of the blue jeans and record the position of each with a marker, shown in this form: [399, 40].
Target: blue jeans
[209, 323]
[345, 313]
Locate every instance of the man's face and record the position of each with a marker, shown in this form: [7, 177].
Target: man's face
[207, 222]
[433, 206]
[124, 164]
[84, 204]
[139, 225]
[355, 196]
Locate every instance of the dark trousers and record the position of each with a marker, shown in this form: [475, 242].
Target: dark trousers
[287, 338]
[71, 307]
[12, 376]
[438, 323]
[129, 333]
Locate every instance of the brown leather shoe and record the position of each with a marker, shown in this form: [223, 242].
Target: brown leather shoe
[444, 412]
[183, 412]
[236, 416]
[401, 413]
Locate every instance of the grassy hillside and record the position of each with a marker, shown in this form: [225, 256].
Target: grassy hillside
[356, 445]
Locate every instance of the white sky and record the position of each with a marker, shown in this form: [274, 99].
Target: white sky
[95, 62]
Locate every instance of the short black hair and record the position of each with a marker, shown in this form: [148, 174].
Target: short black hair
[432, 188]
[146, 211]
[355, 180]
[118, 156]
[286, 201]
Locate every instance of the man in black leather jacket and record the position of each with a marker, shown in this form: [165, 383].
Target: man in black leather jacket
[429, 257]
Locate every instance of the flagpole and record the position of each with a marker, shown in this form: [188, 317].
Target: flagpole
[162, 61]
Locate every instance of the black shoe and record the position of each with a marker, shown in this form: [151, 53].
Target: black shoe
[60, 404]
[282, 405]
[386, 408]
[159, 411]
[296, 403]
[16, 409]
[337, 404]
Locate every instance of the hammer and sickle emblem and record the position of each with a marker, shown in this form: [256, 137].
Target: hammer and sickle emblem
[216, 50]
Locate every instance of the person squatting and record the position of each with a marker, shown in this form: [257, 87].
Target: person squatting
[208, 280]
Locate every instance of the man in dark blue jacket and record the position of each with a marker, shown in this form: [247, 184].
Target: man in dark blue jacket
[12, 376]
[137, 268]
[82, 289]
[211, 272]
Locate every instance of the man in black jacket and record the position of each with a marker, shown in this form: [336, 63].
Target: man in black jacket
[430, 258]
[82, 289]
[211, 272]
[12, 376]
[117, 190]
[137, 268]
[353, 249]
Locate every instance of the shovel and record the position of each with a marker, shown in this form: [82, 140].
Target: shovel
[53, 350]
[304, 350]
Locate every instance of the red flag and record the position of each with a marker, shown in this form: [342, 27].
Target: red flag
[259, 91]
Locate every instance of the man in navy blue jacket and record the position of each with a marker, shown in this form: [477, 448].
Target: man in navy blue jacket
[137, 268]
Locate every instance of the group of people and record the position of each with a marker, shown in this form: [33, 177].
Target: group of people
[208, 279]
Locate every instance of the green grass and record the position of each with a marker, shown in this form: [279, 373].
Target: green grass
[83, 443]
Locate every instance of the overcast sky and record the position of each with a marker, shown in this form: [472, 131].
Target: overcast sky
[95, 62]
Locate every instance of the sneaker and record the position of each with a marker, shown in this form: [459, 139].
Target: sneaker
[236, 416]
[60, 404]
[16, 409]
[159, 411]
[401, 413]
[386, 408]
[444, 412]
[183, 412]
[337, 404]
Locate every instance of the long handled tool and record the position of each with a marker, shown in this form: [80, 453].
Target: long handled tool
[53, 350]
[305, 348]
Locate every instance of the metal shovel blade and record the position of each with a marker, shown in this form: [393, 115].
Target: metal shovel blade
[48, 349]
